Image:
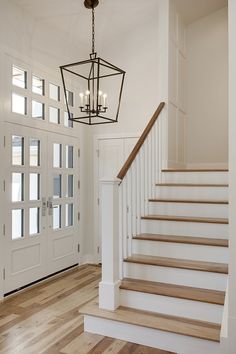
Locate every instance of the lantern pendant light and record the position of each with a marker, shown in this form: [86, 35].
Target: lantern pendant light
[96, 83]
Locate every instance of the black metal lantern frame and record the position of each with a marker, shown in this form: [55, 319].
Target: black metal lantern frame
[97, 70]
[91, 76]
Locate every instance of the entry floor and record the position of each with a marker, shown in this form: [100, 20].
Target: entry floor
[45, 319]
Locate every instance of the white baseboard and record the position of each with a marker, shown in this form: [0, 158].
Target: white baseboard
[87, 259]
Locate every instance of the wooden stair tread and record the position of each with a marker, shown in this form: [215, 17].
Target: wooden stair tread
[172, 290]
[190, 185]
[186, 219]
[178, 263]
[195, 170]
[193, 201]
[172, 324]
[184, 239]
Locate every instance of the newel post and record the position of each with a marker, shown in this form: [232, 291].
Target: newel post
[109, 286]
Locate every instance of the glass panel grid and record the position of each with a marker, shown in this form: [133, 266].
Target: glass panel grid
[70, 186]
[17, 223]
[38, 85]
[54, 115]
[69, 156]
[54, 92]
[18, 104]
[56, 217]
[34, 186]
[69, 215]
[67, 122]
[57, 190]
[17, 187]
[57, 155]
[17, 150]
[34, 227]
[19, 77]
[34, 146]
[37, 110]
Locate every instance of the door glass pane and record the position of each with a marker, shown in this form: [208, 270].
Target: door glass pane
[17, 187]
[70, 187]
[18, 104]
[69, 215]
[54, 92]
[37, 110]
[57, 160]
[54, 115]
[34, 152]
[69, 156]
[67, 122]
[17, 223]
[17, 150]
[70, 98]
[34, 186]
[38, 85]
[57, 186]
[18, 77]
[34, 221]
[56, 217]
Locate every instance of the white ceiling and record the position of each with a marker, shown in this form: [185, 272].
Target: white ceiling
[113, 17]
[192, 10]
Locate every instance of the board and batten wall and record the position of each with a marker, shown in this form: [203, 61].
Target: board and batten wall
[177, 89]
[207, 91]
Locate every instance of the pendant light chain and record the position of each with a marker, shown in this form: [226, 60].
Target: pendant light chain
[93, 30]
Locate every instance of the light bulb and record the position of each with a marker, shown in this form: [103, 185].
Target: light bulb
[87, 92]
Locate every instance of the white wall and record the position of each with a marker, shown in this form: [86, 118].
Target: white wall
[232, 174]
[177, 90]
[207, 90]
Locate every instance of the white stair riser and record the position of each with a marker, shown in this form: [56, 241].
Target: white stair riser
[179, 250]
[180, 228]
[189, 193]
[188, 277]
[195, 177]
[189, 209]
[172, 306]
[150, 337]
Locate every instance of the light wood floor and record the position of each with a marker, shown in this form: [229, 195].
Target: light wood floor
[45, 319]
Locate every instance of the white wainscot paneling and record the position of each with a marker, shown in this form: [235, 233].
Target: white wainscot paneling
[25, 258]
[63, 247]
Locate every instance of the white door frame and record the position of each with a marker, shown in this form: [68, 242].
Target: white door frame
[96, 140]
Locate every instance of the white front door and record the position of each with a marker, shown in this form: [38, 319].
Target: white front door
[41, 204]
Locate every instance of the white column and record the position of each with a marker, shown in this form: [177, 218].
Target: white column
[109, 286]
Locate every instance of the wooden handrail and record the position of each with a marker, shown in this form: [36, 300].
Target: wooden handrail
[140, 142]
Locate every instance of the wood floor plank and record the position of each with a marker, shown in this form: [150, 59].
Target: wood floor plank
[178, 263]
[188, 201]
[173, 290]
[184, 239]
[45, 319]
[186, 219]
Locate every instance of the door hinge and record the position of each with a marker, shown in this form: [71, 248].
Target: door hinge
[78, 248]
[97, 153]
[4, 273]
[78, 184]
[4, 230]
[4, 186]
[78, 216]
[4, 141]
[78, 152]
[98, 249]
[98, 201]
[127, 209]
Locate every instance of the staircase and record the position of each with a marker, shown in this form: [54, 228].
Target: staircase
[174, 268]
